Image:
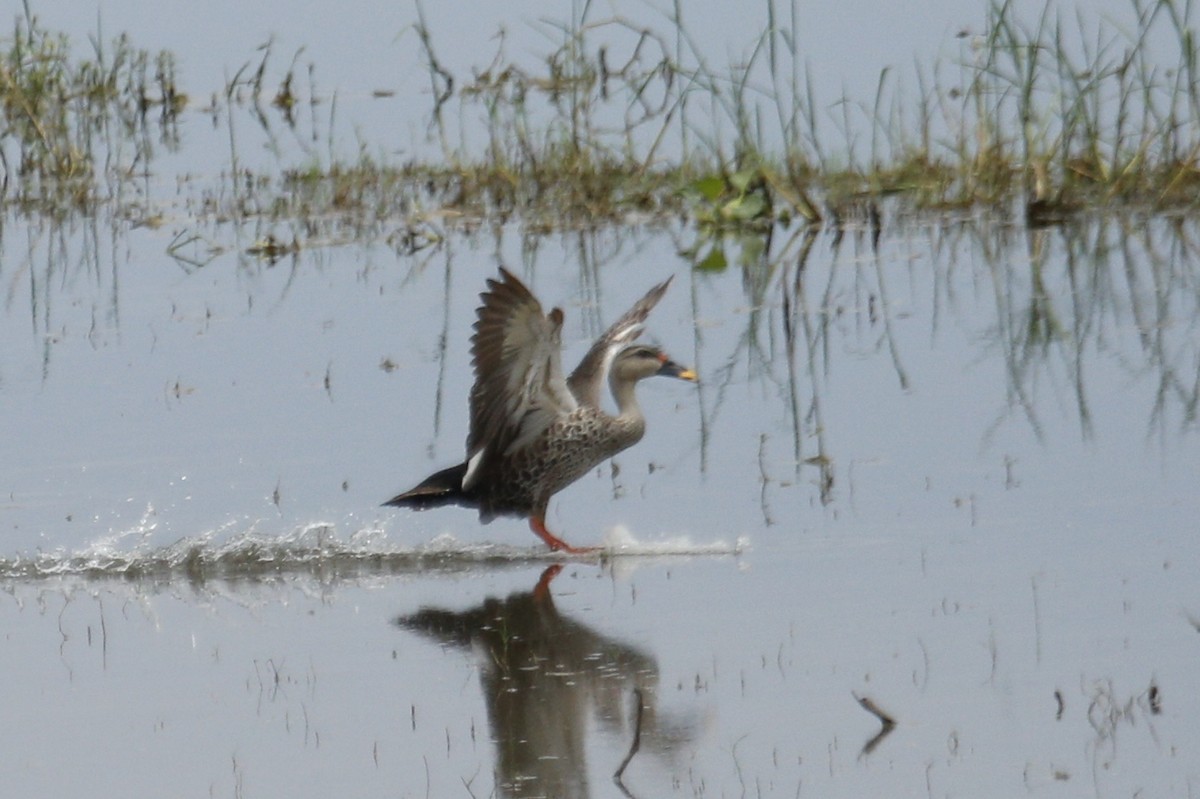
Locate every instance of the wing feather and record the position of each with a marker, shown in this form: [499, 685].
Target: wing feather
[519, 388]
[587, 381]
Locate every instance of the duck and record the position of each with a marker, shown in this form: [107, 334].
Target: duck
[532, 431]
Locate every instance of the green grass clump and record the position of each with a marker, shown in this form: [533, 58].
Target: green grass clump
[623, 121]
[1058, 115]
[64, 117]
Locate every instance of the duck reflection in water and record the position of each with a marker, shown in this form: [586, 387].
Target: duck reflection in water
[541, 673]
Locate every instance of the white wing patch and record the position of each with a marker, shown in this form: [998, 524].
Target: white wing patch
[472, 469]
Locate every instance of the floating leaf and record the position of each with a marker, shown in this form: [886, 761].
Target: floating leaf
[710, 188]
[715, 261]
[742, 180]
[745, 208]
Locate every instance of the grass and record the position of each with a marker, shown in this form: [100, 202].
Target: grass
[620, 121]
[1068, 114]
[65, 118]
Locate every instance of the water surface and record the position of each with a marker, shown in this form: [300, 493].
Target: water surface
[953, 475]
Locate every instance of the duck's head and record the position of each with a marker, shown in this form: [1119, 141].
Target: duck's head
[640, 360]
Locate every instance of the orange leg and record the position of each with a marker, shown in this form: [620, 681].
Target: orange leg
[538, 525]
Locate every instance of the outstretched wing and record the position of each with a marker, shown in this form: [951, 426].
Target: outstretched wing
[519, 389]
[588, 378]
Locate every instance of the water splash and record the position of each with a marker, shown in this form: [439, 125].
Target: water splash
[620, 541]
[316, 549]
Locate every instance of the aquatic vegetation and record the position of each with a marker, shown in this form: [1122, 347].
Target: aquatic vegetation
[74, 127]
[1063, 115]
[623, 120]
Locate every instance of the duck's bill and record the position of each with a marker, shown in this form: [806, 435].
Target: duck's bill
[672, 369]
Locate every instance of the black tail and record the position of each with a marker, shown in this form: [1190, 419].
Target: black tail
[440, 488]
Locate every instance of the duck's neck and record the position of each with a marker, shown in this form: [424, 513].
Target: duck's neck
[627, 405]
[628, 426]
